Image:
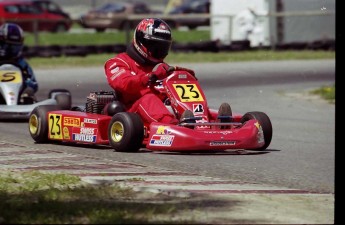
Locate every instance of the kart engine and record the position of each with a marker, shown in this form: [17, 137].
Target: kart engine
[96, 101]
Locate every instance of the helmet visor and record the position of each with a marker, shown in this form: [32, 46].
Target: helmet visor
[10, 50]
[157, 49]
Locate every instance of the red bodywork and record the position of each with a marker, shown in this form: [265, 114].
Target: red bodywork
[184, 92]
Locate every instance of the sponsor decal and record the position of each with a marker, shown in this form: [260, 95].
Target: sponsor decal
[10, 76]
[203, 119]
[84, 134]
[139, 50]
[86, 130]
[198, 108]
[218, 132]
[162, 140]
[261, 138]
[182, 76]
[87, 120]
[163, 130]
[84, 138]
[71, 121]
[188, 92]
[54, 127]
[112, 65]
[66, 133]
[222, 143]
[163, 30]
[257, 124]
[116, 72]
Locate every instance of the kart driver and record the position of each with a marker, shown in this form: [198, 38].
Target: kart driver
[11, 45]
[129, 72]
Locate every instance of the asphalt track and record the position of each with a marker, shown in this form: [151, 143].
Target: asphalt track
[291, 182]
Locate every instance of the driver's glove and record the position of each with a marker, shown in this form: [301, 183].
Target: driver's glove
[31, 84]
[160, 70]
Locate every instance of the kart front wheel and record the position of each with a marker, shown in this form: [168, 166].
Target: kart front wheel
[126, 132]
[38, 122]
[265, 123]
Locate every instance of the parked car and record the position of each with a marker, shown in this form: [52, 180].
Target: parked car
[114, 15]
[48, 14]
[192, 7]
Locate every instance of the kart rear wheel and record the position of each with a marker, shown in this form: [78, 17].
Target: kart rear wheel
[126, 132]
[63, 98]
[38, 122]
[58, 91]
[265, 123]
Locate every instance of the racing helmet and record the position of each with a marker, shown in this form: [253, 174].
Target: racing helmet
[11, 40]
[152, 39]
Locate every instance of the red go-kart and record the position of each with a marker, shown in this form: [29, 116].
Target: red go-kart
[104, 121]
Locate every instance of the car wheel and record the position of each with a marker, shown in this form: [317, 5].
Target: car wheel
[265, 123]
[38, 122]
[60, 28]
[192, 27]
[126, 132]
[100, 30]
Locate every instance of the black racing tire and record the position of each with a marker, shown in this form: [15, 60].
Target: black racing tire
[64, 100]
[126, 132]
[100, 30]
[265, 123]
[57, 91]
[38, 122]
[60, 28]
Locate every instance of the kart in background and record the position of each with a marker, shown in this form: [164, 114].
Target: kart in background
[14, 106]
[105, 121]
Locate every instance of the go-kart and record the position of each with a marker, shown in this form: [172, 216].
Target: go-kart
[105, 121]
[14, 105]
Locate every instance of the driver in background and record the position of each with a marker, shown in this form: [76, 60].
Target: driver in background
[129, 72]
[11, 46]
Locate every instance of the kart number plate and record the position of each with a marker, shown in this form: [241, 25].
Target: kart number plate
[55, 128]
[188, 93]
[10, 76]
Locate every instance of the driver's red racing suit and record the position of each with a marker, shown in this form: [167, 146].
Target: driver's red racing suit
[129, 79]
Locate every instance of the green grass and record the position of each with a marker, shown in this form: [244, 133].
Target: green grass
[40, 198]
[119, 37]
[176, 58]
[115, 37]
[326, 92]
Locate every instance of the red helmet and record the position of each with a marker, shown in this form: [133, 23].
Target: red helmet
[152, 39]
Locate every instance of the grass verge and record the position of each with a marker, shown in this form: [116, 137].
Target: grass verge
[194, 57]
[40, 198]
[326, 92]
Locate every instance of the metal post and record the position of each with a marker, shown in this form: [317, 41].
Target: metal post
[127, 31]
[35, 30]
[280, 22]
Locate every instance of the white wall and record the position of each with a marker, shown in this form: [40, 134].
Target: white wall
[227, 23]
